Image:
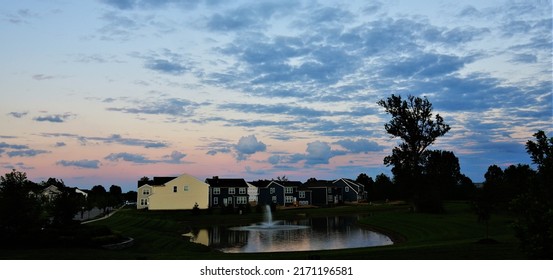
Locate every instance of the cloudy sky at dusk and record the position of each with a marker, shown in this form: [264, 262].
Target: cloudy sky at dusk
[105, 92]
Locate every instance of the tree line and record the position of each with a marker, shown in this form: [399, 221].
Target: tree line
[426, 177]
[26, 210]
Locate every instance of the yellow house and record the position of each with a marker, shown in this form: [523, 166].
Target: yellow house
[172, 193]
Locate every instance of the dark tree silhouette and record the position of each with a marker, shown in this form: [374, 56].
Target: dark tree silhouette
[368, 185]
[534, 207]
[413, 122]
[20, 211]
[441, 171]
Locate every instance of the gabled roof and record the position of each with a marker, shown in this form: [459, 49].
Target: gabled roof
[156, 181]
[217, 182]
[319, 183]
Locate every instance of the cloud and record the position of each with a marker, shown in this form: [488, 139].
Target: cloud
[174, 158]
[15, 150]
[136, 158]
[41, 77]
[317, 153]
[166, 67]
[18, 114]
[525, 58]
[252, 16]
[360, 146]
[173, 107]
[84, 163]
[26, 153]
[248, 145]
[60, 144]
[114, 138]
[216, 145]
[58, 118]
[150, 4]
[4, 145]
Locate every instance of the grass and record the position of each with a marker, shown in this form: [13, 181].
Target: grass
[158, 235]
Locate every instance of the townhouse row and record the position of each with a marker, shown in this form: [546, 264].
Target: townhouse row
[186, 192]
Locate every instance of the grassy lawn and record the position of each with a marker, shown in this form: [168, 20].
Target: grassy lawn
[158, 235]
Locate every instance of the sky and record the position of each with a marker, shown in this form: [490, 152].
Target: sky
[106, 92]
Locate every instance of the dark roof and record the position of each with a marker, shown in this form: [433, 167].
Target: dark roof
[217, 182]
[319, 183]
[157, 181]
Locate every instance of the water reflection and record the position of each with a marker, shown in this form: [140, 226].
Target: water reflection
[322, 233]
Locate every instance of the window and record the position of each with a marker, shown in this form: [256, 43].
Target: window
[146, 192]
[302, 194]
[215, 200]
[274, 198]
[216, 191]
[329, 190]
[330, 198]
[230, 200]
[174, 188]
[230, 190]
[242, 200]
[289, 199]
[242, 191]
[272, 190]
[186, 188]
[347, 189]
[288, 190]
[143, 201]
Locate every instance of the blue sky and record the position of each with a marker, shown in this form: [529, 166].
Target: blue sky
[105, 92]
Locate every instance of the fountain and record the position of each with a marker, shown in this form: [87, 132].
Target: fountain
[269, 224]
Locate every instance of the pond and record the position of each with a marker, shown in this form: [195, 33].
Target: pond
[307, 234]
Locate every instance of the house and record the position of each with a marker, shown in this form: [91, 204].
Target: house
[284, 193]
[172, 193]
[227, 191]
[349, 190]
[323, 192]
[51, 192]
[327, 192]
[253, 193]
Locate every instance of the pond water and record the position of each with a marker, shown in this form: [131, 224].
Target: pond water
[307, 234]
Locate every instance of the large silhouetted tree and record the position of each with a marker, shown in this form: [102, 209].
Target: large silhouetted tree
[20, 211]
[414, 123]
[534, 207]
